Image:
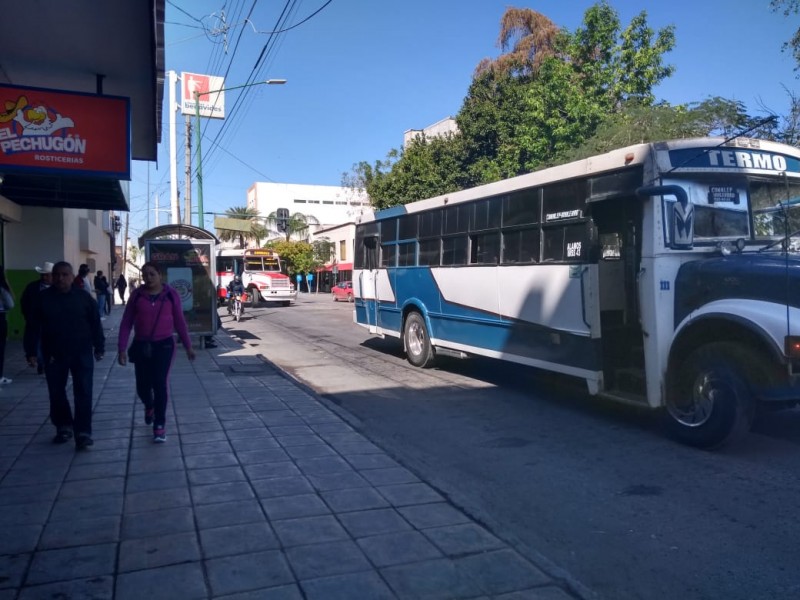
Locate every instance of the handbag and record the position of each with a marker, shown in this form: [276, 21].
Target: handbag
[143, 350]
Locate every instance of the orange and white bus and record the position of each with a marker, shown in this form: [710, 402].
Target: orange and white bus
[261, 272]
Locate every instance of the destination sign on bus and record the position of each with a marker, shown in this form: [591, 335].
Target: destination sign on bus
[723, 158]
[260, 252]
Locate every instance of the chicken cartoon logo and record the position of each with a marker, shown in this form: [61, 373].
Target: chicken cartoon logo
[33, 119]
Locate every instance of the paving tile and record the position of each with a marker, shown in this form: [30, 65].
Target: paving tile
[249, 433]
[12, 569]
[269, 470]
[347, 587]
[97, 471]
[501, 571]
[351, 499]
[409, 493]
[433, 515]
[88, 588]
[80, 532]
[33, 513]
[254, 443]
[266, 455]
[373, 522]
[22, 494]
[159, 551]
[72, 563]
[325, 465]
[201, 427]
[308, 439]
[98, 454]
[281, 486]
[155, 464]
[549, 592]
[16, 539]
[184, 581]
[389, 476]
[222, 492]
[228, 513]
[370, 461]
[156, 499]
[246, 572]
[337, 481]
[210, 447]
[456, 540]
[309, 530]
[201, 438]
[353, 448]
[92, 487]
[215, 475]
[237, 539]
[158, 522]
[282, 592]
[432, 579]
[398, 548]
[207, 461]
[40, 475]
[288, 430]
[155, 481]
[332, 558]
[288, 507]
[311, 451]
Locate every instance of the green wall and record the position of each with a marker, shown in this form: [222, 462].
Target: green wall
[18, 280]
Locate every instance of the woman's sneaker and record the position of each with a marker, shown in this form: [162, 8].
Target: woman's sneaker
[159, 435]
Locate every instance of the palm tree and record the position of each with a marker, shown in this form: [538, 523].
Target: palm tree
[256, 231]
[296, 226]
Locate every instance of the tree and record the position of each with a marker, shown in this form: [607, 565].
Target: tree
[790, 7]
[256, 232]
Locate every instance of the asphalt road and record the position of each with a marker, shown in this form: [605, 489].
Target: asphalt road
[591, 491]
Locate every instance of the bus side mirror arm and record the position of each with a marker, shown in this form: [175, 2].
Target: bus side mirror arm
[681, 217]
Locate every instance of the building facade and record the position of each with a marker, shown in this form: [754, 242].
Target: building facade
[324, 206]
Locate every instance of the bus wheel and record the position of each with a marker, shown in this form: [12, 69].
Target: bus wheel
[709, 398]
[254, 297]
[418, 345]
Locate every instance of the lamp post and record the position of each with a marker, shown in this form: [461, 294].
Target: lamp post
[197, 94]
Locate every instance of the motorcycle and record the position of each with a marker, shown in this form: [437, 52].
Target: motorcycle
[237, 307]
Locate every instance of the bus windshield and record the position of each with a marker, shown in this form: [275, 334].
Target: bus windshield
[776, 208]
[262, 263]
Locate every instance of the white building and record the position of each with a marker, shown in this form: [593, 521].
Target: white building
[323, 205]
[438, 129]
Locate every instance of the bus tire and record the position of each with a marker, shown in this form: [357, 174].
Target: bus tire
[419, 351]
[255, 297]
[709, 397]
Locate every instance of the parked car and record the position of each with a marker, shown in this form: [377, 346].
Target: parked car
[342, 291]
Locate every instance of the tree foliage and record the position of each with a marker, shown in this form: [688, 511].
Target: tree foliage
[257, 231]
[789, 8]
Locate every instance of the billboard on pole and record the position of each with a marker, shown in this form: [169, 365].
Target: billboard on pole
[212, 105]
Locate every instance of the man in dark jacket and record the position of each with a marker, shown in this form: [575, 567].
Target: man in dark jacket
[68, 325]
[29, 303]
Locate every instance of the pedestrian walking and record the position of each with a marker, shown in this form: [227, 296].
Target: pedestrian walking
[6, 304]
[154, 312]
[121, 286]
[101, 291]
[68, 325]
[29, 303]
[81, 280]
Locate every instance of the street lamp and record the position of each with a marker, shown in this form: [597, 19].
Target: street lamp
[197, 94]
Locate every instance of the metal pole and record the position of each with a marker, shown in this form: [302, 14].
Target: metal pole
[187, 202]
[199, 163]
[173, 149]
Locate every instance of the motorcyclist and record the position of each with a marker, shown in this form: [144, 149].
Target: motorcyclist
[235, 288]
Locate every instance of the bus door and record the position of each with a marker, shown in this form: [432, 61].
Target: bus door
[368, 281]
[619, 231]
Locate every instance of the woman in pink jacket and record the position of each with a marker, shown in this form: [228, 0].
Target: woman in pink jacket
[154, 312]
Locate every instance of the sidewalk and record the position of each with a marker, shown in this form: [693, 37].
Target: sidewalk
[261, 491]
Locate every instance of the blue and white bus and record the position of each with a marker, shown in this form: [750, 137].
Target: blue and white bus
[664, 275]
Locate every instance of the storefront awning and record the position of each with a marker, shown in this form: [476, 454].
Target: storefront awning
[340, 267]
[65, 192]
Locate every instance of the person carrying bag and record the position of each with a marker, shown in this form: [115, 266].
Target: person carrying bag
[154, 308]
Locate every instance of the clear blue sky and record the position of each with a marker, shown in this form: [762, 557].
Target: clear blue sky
[359, 73]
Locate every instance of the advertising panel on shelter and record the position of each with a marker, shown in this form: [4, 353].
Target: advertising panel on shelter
[201, 87]
[59, 132]
[189, 266]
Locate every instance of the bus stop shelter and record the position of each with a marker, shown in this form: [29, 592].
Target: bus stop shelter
[186, 257]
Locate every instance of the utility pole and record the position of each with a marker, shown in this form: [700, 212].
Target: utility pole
[125, 243]
[173, 166]
[187, 211]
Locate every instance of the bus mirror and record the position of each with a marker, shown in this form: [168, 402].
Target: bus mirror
[371, 242]
[681, 216]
